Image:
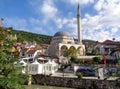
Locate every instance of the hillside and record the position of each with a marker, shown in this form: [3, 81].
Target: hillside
[39, 38]
[28, 36]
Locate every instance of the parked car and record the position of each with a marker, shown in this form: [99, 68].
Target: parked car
[86, 72]
[69, 69]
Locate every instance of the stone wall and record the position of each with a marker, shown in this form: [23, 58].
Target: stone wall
[77, 83]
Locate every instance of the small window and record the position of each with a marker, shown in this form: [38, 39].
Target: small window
[69, 42]
[49, 68]
[23, 54]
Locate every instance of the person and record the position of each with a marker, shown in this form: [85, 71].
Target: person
[100, 73]
[104, 58]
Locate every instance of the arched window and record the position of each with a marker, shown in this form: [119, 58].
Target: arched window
[63, 48]
[80, 51]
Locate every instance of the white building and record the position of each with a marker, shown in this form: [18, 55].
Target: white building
[47, 68]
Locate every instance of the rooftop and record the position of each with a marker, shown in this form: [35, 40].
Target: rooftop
[62, 33]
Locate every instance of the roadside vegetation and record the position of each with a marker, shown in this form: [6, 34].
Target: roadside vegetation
[10, 74]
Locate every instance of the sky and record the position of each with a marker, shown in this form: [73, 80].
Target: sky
[100, 19]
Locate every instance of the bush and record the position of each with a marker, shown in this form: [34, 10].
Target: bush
[80, 75]
[45, 84]
[24, 78]
[97, 59]
[74, 60]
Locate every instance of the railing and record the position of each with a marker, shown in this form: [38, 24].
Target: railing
[87, 57]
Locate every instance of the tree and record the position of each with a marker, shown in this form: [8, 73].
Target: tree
[71, 54]
[97, 59]
[9, 73]
[2, 19]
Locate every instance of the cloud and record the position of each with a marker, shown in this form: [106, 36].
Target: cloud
[102, 25]
[48, 9]
[61, 22]
[98, 6]
[100, 35]
[73, 2]
[105, 24]
[114, 30]
[46, 12]
[69, 23]
[91, 22]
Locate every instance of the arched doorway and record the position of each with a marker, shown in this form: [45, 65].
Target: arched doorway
[63, 48]
[80, 51]
[73, 51]
[72, 47]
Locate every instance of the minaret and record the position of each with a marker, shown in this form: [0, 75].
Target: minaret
[79, 25]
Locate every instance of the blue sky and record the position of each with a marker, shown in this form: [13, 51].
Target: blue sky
[100, 18]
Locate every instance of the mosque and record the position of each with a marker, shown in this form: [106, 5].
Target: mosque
[62, 41]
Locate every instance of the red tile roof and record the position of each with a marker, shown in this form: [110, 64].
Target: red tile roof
[44, 45]
[40, 53]
[110, 42]
[38, 47]
[31, 51]
[118, 48]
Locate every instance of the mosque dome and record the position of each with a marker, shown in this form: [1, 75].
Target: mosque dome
[62, 33]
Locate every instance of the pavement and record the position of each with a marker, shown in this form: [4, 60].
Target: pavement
[72, 75]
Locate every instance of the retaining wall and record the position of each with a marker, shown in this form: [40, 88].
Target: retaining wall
[77, 83]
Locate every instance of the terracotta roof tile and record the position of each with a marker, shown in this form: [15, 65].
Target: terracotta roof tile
[31, 51]
[44, 45]
[109, 42]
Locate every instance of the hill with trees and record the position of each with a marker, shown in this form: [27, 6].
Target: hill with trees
[38, 38]
[28, 36]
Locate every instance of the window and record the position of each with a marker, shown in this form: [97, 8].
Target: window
[69, 42]
[23, 54]
[49, 68]
[33, 68]
[28, 55]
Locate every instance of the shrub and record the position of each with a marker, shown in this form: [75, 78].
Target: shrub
[80, 75]
[97, 59]
[74, 60]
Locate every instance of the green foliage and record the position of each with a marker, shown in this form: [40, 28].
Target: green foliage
[30, 37]
[79, 75]
[97, 59]
[9, 74]
[39, 38]
[95, 52]
[70, 53]
[45, 84]
[90, 41]
[74, 59]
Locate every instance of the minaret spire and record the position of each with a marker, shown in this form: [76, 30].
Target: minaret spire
[78, 10]
[79, 25]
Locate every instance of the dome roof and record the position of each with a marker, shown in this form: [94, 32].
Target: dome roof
[62, 33]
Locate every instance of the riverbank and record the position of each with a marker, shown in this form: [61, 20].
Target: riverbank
[45, 87]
